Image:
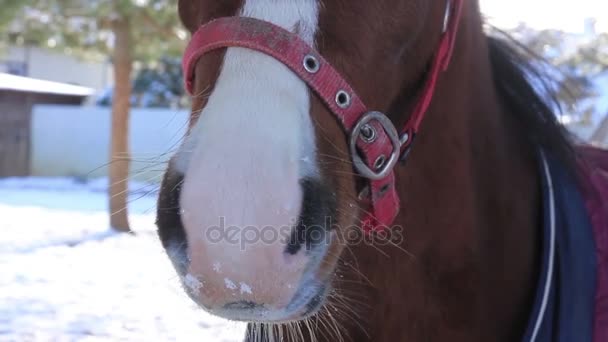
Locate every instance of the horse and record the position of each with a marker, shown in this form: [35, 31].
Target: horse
[295, 203]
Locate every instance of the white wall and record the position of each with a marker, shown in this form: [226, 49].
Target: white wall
[75, 141]
[53, 66]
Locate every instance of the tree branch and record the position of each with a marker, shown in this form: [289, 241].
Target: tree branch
[166, 32]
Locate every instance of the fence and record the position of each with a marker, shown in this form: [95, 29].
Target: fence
[75, 141]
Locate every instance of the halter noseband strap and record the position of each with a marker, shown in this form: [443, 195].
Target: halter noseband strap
[375, 144]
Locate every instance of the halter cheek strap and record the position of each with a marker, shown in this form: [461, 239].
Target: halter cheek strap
[375, 144]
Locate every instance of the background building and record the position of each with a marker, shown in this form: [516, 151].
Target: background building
[18, 96]
[54, 66]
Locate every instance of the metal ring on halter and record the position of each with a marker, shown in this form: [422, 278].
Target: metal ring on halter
[391, 131]
[343, 99]
[311, 64]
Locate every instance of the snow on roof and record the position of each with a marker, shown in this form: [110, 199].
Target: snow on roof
[33, 85]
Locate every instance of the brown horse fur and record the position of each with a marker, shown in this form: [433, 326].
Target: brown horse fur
[466, 268]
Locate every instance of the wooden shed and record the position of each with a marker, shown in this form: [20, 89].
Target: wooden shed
[18, 95]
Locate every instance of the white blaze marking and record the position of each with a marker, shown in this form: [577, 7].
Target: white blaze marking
[255, 95]
[245, 156]
[217, 267]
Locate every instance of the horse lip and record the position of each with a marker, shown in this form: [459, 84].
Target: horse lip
[308, 300]
[243, 305]
[305, 303]
[247, 311]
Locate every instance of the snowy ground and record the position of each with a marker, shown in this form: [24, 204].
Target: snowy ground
[65, 277]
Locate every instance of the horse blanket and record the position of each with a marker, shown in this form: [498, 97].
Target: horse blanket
[571, 301]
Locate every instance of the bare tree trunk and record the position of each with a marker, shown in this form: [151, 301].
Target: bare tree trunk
[119, 152]
[600, 136]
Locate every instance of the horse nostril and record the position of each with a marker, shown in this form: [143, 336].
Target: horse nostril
[314, 223]
[168, 220]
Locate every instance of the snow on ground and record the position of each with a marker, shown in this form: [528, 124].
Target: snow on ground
[64, 276]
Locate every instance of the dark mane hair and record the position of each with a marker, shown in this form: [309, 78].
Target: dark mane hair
[526, 90]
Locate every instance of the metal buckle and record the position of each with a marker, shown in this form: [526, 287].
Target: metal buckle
[391, 131]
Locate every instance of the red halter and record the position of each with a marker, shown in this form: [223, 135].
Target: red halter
[375, 144]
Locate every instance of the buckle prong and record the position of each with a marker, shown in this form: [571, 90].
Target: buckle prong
[360, 166]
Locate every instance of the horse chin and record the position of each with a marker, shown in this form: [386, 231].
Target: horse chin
[306, 304]
[309, 298]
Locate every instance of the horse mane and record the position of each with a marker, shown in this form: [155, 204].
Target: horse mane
[527, 92]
